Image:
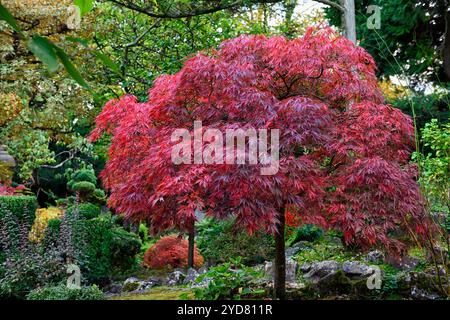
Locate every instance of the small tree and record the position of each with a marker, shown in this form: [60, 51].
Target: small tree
[342, 154]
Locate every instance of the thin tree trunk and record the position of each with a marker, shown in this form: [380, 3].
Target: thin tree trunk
[348, 19]
[446, 47]
[280, 259]
[191, 239]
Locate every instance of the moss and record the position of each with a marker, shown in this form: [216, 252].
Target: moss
[159, 293]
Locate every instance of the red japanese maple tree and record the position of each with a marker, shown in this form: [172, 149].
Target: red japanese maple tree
[342, 158]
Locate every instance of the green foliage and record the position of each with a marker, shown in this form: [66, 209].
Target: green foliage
[85, 210]
[23, 207]
[230, 280]
[220, 241]
[61, 292]
[435, 165]
[83, 187]
[124, 248]
[306, 232]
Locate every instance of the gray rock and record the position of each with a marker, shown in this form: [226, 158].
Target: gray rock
[192, 274]
[419, 294]
[355, 268]
[296, 247]
[305, 267]
[131, 284]
[291, 270]
[376, 257]
[175, 277]
[321, 269]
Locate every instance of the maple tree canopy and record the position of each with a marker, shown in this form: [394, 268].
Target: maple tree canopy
[343, 153]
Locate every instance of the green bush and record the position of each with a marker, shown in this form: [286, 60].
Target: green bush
[307, 232]
[85, 210]
[62, 292]
[23, 207]
[228, 281]
[83, 187]
[124, 248]
[220, 241]
[16, 212]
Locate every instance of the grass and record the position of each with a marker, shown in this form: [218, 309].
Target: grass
[158, 293]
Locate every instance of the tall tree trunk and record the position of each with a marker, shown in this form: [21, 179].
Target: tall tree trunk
[191, 240]
[279, 282]
[348, 19]
[446, 47]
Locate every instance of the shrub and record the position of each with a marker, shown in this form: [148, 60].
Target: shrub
[85, 210]
[43, 216]
[83, 187]
[124, 248]
[220, 241]
[307, 232]
[228, 281]
[170, 251]
[62, 292]
[24, 207]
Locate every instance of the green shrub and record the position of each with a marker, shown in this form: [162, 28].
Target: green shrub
[62, 292]
[124, 248]
[306, 232]
[219, 241]
[84, 175]
[23, 207]
[228, 281]
[85, 210]
[83, 187]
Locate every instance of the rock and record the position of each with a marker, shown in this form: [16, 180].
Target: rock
[321, 269]
[376, 257]
[296, 247]
[335, 282]
[407, 263]
[176, 277]
[192, 274]
[203, 270]
[419, 294]
[114, 288]
[131, 284]
[305, 267]
[356, 269]
[291, 270]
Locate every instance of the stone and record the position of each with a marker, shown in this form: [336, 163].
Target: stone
[335, 282]
[356, 269]
[334, 240]
[191, 275]
[376, 257]
[305, 267]
[131, 284]
[176, 277]
[291, 270]
[296, 247]
[321, 269]
[419, 294]
[114, 288]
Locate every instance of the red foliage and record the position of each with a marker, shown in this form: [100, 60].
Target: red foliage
[343, 153]
[170, 251]
[10, 191]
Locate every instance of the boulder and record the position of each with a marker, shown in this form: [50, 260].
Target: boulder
[191, 275]
[296, 247]
[376, 257]
[131, 284]
[291, 270]
[356, 269]
[175, 278]
[321, 269]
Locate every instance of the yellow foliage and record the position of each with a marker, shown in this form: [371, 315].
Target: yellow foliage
[43, 216]
[392, 91]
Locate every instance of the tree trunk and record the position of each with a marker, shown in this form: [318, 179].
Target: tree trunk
[348, 19]
[280, 259]
[191, 240]
[446, 46]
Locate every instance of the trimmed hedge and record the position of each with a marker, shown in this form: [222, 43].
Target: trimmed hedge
[23, 207]
[85, 210]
